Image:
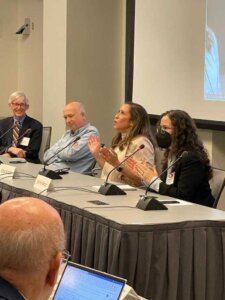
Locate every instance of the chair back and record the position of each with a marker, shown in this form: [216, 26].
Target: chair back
[46, 139]
[158, 159]
[91, 173]
[217, 184]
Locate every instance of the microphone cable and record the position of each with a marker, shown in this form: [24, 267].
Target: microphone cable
[65, 188]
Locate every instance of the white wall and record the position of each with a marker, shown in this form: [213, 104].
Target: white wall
[95, 59]
[8, 52]
[83, 60]
[20, 56]
[75, 51]
[30, 55]
[54, 65]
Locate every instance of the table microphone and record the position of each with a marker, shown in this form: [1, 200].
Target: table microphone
[150, 202]
[14, 125]
[111, 189]
[26, 132]
[50, 173]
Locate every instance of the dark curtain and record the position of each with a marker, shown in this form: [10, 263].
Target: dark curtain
[130, 18]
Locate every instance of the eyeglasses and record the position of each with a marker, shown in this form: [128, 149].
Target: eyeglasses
[18, 104]
[163, 128]
[64, 260]
[65, 257]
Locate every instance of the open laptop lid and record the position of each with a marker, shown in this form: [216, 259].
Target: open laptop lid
[79, 282]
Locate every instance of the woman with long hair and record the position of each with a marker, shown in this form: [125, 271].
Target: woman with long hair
[188, 179]
[133, 130]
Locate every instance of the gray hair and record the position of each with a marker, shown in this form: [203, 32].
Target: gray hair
[81, 107]
[14, 96]
[77, 105]
[30, 249]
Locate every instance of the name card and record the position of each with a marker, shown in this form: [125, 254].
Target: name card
[7, 170]
[43, 183]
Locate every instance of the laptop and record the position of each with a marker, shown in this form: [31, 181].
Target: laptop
[79, 282]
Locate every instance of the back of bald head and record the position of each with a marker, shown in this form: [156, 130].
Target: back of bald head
[31, 233]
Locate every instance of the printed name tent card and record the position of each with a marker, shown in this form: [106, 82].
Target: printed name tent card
[8, 171]
[43, 183]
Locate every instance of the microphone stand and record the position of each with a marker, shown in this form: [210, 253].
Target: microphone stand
[150, 202]
[112, 189]
[50, 173]
[7, 131]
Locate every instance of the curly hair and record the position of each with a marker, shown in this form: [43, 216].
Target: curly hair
[185, 138]
[141, 126]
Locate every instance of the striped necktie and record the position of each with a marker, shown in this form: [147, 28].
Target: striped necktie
[16, 131]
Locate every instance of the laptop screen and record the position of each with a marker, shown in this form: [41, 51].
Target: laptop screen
[80, 282]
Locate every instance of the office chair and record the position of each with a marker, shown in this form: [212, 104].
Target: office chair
[217, 184]
[45, 143]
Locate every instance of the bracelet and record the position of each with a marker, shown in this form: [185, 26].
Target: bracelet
[119, 169]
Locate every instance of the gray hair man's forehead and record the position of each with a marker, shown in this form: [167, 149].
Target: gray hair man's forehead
[18, 96]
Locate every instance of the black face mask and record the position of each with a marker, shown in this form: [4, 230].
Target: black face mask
[163, 139]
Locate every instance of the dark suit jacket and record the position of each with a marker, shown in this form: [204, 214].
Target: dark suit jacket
[190, 181]
[35, 135]
[8, 291]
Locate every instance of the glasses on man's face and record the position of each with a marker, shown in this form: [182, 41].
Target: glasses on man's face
[64, 260]
[65, 256]
[15, 104]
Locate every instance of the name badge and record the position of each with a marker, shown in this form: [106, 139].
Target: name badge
[170, 178]
[25, 141]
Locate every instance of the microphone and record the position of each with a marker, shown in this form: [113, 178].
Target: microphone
[7, 131]
[112, 189]
[150, 202]
[27, 132]
[50, 173]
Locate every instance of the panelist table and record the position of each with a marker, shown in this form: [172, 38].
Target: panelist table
[173, 254]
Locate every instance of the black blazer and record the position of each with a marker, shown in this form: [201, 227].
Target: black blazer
[8, 291]
[35, 135]
[190, 181]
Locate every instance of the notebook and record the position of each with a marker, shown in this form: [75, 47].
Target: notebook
[79, 282]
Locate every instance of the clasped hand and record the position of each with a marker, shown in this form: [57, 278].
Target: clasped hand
[141, 169]
[110, 156]
[107, 154]
[18, 152]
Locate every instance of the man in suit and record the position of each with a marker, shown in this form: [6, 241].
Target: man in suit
[20, 135]
[31, 243]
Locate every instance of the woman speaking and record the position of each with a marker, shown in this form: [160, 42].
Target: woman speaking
[133, 130]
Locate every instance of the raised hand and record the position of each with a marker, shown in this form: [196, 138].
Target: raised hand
[110, 156]
[94, 145]
[141, 169]
[145, 172]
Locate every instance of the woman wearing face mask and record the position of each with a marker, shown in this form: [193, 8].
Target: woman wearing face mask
[133, 130]
[188, 179]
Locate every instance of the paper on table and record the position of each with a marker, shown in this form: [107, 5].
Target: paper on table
[180, 202]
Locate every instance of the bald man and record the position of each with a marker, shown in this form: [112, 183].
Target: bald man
[31, 244]
[77, 156]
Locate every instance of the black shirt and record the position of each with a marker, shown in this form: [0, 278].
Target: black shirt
[8, 291]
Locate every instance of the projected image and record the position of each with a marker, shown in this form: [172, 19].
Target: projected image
[214, 75]
[212, 81]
